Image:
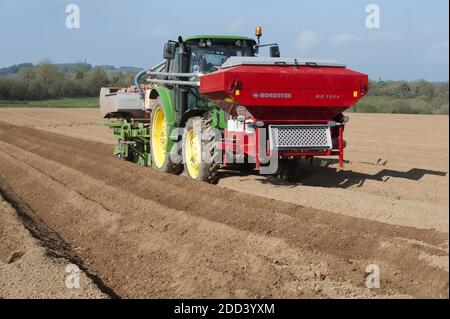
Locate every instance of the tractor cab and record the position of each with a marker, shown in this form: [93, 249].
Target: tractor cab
[205, 53]
[196, 56]
[186, 60]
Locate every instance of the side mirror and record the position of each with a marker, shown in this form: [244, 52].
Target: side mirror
[169, 50]
[275, 51]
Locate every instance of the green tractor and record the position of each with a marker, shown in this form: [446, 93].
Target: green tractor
[148, 118]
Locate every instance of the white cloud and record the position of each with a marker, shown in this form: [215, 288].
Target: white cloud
[306, 40]
[158, 32]
[384, 36]
[441, 46]
[235, 25]
[438, 51]
[344, 39]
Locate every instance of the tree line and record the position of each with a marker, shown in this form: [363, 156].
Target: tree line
[417, 97]
[48, 81]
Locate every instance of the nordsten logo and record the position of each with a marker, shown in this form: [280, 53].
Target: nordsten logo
[264, 95]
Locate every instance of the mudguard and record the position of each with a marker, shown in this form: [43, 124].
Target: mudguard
[166, 96]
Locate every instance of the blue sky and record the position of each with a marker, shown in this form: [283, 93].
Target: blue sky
[411, 43]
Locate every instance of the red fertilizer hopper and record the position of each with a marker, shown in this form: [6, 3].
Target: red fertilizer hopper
[299, 101]
[284, 89]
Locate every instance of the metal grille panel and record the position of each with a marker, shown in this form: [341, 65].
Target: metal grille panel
[300, 137]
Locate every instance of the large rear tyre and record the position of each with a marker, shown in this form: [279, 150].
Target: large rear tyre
[199, 151]
[159, 142]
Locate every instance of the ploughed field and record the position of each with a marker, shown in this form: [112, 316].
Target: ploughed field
[135, 232]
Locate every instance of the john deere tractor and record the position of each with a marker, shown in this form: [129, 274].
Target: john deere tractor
[212, 98]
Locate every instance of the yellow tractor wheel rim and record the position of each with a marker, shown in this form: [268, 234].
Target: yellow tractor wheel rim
[159, 137]
[193, 154]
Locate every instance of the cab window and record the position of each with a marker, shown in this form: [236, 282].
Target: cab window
[209, 59]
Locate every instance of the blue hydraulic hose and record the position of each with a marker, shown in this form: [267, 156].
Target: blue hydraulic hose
[137, 84]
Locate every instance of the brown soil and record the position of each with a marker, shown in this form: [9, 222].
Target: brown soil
[396, 173]
[146, 234]
[31, 268]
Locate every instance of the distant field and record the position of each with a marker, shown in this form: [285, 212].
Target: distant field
[56, 103]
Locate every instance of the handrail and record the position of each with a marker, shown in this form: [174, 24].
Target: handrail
[178, 75]
[153, 72]
[174, 82]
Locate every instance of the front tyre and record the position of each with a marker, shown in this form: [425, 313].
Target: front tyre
[199, 151]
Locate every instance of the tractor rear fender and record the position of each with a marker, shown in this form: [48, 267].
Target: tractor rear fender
[166, 97]
[191, 113]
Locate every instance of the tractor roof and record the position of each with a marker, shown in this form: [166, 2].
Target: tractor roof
[224, 38]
